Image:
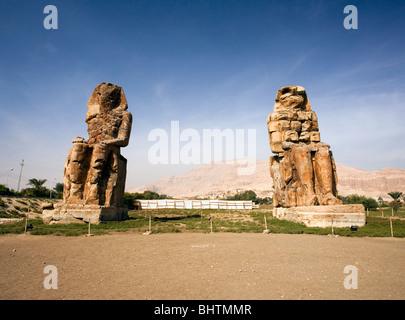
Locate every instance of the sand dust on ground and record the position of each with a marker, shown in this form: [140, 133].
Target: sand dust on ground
[190, 266]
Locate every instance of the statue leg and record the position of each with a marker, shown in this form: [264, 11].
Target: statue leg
[278, 182]
[66, 174]
[113, 177]
[301, 155]
[97, 166]
[76, 168]
[324, 177]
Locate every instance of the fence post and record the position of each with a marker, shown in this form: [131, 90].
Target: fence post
[265, 223]
[147, 233]
[392, 230]
[88, 232]
[26, 222]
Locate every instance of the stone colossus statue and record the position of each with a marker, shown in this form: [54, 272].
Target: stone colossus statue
[303, 169]
[94, 170]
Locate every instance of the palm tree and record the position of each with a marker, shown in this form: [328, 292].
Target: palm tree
[36, 183]
[395, 195]
[396, 203]
[58, 190]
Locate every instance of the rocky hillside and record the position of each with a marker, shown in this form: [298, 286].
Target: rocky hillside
[14, 207]
[222, 179]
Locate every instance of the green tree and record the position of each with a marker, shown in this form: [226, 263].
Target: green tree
[247, 195]
[129, 200]
[58, 190]
[58, 187]
[355, 199]
[368, 203]
[36, 183]
[4, 191]
[395, 195]
[265, 200]
[395, 205]
[150, 195]
[37, 190]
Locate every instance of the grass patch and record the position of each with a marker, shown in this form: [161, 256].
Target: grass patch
[196, 220]
[387, 212]
[22, 202]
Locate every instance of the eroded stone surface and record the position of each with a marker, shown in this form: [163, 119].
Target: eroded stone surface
[95, 171]
[338, 216]
[303, 169]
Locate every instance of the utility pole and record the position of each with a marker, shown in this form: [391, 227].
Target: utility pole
[8, 175]
[19, 178]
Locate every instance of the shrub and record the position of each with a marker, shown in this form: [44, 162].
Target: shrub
[395, 205]
[6, 191]
[368, 203]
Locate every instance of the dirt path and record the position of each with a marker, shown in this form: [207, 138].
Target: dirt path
[201, 266]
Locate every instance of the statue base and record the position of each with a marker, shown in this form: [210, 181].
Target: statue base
[340, 216]
[82, 213]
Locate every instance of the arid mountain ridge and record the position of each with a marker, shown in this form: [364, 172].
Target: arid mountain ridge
[218, 179]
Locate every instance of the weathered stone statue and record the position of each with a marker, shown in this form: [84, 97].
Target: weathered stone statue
[303, 169]
[95, 171]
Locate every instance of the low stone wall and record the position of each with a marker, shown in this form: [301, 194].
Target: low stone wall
[323, 216]
[76, 213]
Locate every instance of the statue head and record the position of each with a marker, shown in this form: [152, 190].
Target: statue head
[292, 98]
[106, 98]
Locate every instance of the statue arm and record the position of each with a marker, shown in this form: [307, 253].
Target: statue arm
[123, 133]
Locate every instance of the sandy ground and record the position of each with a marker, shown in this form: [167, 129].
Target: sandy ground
[189, 266]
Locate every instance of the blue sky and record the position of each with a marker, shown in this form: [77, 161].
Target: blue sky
[206, 64]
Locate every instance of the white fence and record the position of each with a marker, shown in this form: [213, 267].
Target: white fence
[194, 204]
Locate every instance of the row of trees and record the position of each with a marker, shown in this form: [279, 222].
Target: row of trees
[151, 195]
[368, 203]
[36, 189]
[250, 195]
[372, 204]
[129, 198]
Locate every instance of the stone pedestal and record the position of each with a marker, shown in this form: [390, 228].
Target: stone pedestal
[323, 216]
[77, 213]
